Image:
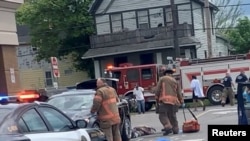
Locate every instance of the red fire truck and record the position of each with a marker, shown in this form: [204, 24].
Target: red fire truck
[210, 72]
[129, 75]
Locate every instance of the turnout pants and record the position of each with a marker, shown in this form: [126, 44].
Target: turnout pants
[227, 92]
[167, 116]
[112, 132]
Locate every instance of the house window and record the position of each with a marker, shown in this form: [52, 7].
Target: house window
[116, 22]
[169, 18]
[143, 19]
[48, 78]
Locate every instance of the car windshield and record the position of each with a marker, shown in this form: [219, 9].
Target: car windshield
[4, 112]
[72, 102]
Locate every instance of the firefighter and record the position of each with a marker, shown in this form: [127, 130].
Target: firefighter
[105, 105]
[168, 97]
[241, 77]
[228, 90]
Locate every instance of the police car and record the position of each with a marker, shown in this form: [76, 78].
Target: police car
[38, 121]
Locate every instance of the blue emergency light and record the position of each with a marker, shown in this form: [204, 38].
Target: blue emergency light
[4, 98]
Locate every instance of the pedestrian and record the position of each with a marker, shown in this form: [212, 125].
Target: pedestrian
[241, 77]
[197, 93]
[105, 105]
[228, 90]
[168, 97]
[139, 96]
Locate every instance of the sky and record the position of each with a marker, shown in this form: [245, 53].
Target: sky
[246, 8]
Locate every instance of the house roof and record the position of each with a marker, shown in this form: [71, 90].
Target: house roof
[146, 46]
[210, 4]
[222, 37]
[97, 3]
[94, 6]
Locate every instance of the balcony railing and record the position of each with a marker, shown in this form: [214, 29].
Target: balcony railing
[139, 36]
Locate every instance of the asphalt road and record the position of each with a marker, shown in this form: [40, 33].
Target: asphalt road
[212, 115]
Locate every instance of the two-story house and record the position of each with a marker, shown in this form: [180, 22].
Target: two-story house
[37, 75]
[140, 31]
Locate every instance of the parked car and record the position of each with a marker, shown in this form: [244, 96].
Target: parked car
[77, 104]
[38, 121]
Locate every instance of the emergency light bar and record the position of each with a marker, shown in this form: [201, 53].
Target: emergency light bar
[27, 97]
[4, 99]
[19, 98]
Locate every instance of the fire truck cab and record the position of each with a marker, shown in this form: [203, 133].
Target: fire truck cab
[129, 75]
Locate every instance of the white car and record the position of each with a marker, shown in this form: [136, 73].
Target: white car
[41, 122]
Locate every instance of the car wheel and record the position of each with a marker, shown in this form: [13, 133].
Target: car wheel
[126, 132]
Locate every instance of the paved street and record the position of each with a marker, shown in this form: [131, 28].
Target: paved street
[213, 115]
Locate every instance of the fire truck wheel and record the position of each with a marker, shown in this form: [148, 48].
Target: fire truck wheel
[215, 94]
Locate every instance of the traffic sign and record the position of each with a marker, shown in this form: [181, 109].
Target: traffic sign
[56, 73]
[54, 62]
[54, 65]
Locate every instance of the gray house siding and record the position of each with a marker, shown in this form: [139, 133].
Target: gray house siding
[200, 31]
[126, 5]
[223, 46]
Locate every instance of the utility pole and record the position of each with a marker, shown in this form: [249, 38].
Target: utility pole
[208, 27]
[175, 36]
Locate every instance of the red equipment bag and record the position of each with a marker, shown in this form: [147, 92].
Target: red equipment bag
[190, 126]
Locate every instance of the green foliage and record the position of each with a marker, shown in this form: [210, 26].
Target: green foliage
[59, 28]
[240, 36]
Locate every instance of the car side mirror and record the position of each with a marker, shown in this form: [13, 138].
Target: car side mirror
[81, 123]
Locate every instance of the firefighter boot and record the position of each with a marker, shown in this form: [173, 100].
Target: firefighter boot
[167, 132]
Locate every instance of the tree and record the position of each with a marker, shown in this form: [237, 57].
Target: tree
[228, 14]
[239, 37]
[59, 28]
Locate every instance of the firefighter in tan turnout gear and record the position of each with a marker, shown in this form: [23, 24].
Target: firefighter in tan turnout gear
[169, 98]
[105, 105]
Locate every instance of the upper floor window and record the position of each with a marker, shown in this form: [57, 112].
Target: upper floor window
[116, 22]
[143, 19]
[168, 14]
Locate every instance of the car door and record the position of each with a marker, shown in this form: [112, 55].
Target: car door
[34, 126]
